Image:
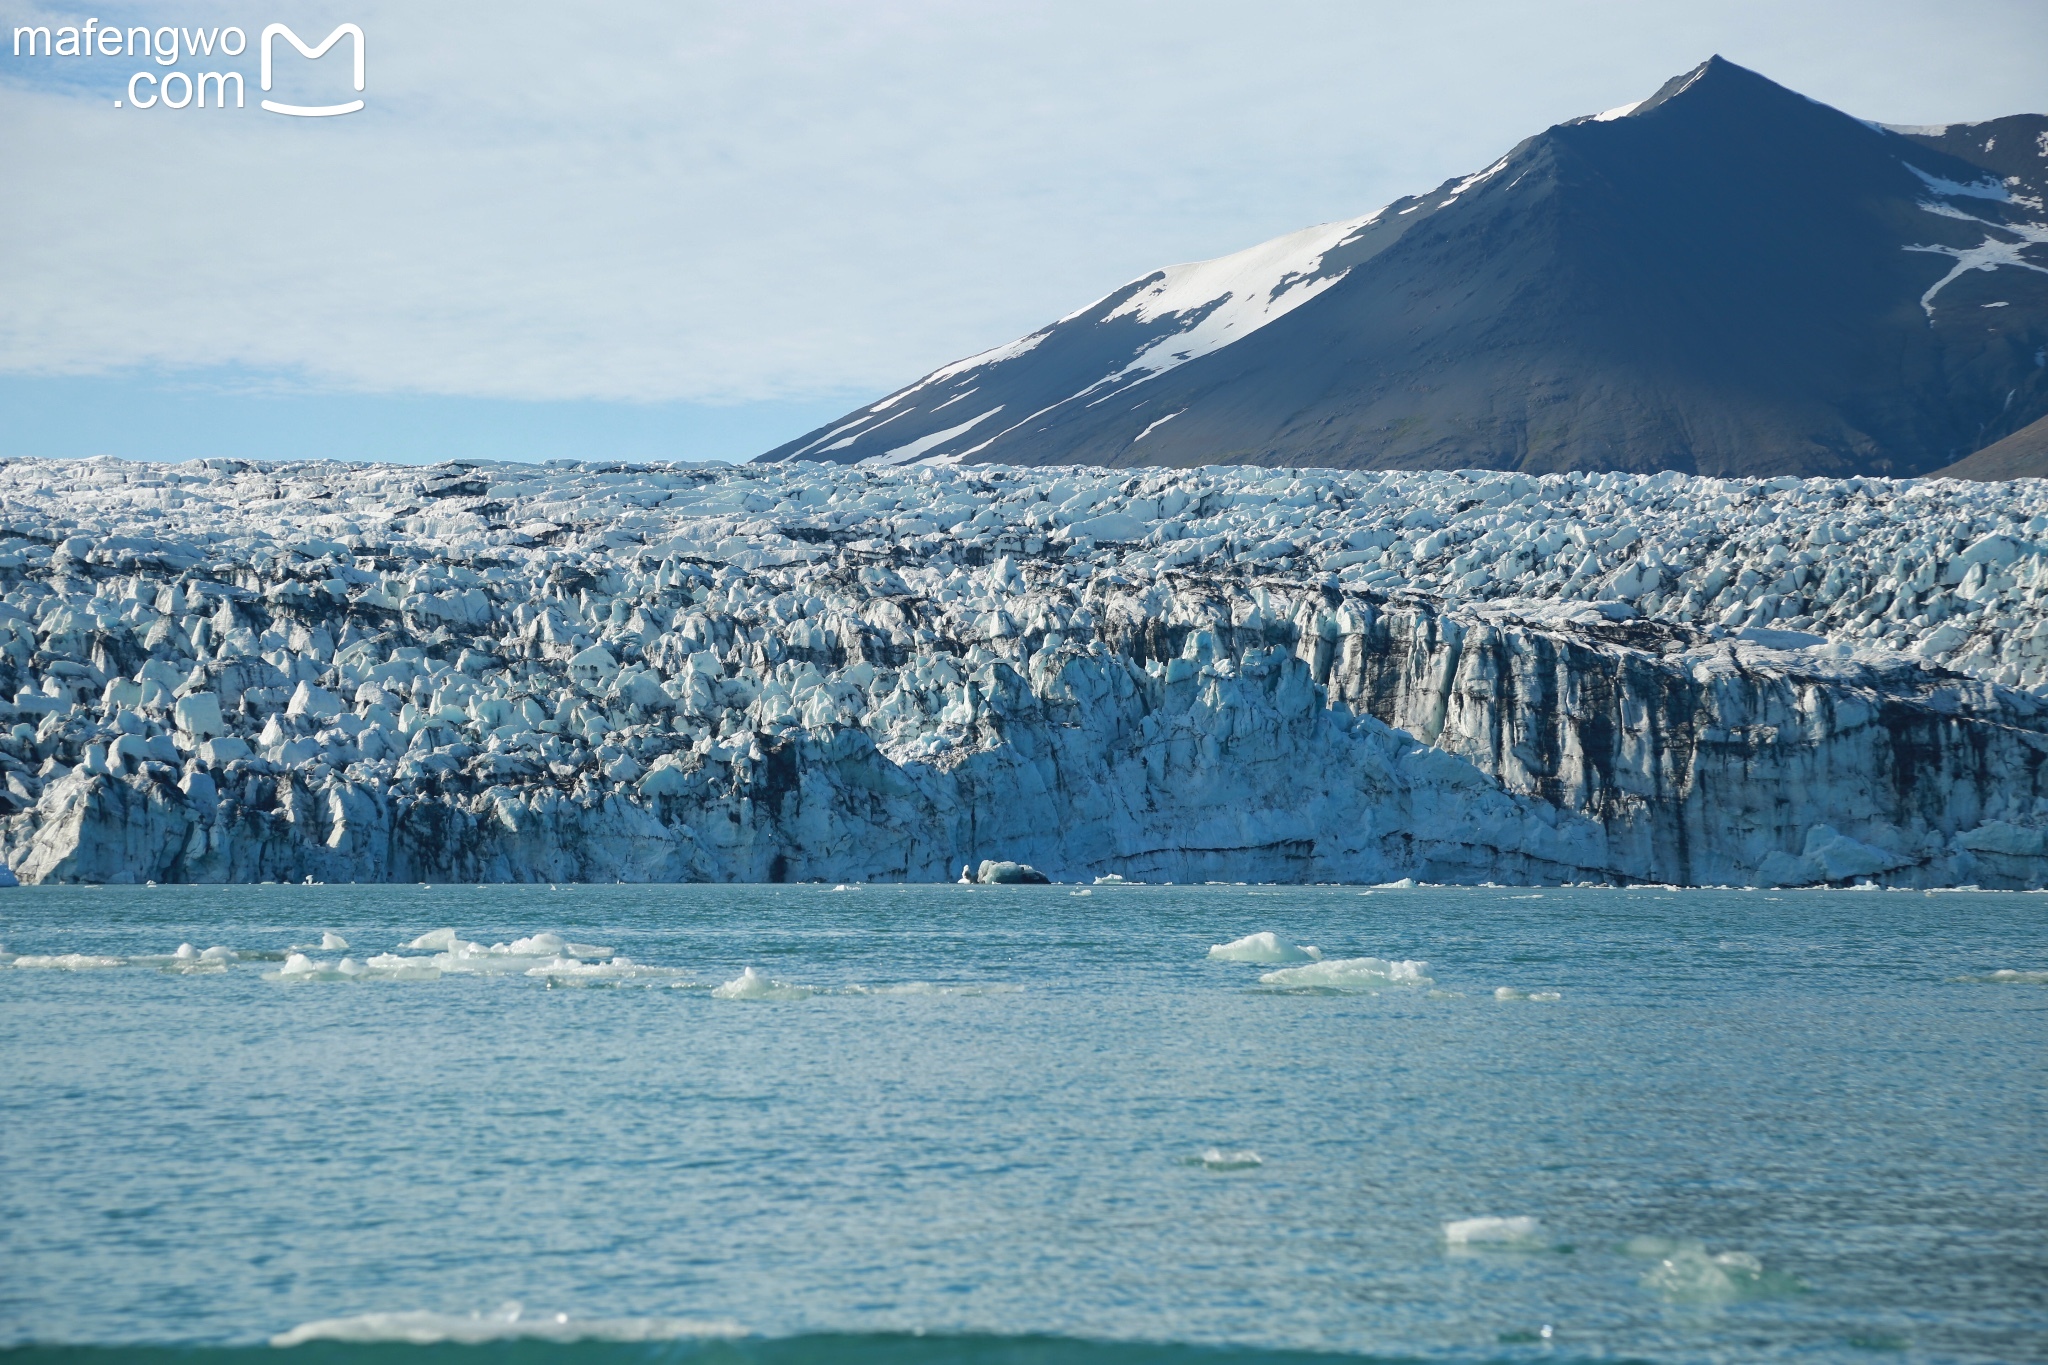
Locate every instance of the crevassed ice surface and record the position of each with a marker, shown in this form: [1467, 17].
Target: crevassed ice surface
[241, 673]
[1749, 1126]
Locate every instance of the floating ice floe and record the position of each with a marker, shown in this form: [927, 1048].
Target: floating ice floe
[572, 971]
[1265, 946]
[1520, 1230]
[1511, 993]
[1686, 1271]
[455, 955]
[751, 984]
[1223, 1159]
[1350, 974]
[299, 968]
[509, 1323]
[186, 958]
[2010, 976]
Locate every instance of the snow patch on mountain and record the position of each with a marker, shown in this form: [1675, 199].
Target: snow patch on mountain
[913, 450]
[1987, 188]
[1228, 298]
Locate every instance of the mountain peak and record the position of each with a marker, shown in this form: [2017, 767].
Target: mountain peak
[1733, 279]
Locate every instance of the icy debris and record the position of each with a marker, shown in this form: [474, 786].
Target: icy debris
[1350, 974]
[1265, 946]
[224, 671]
[1225, 1159]
[751, 984]
[1686, 1271]
[1518, 1231]
[509, 1323]
[999, 873]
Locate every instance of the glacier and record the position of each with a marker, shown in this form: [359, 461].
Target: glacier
[590, 671]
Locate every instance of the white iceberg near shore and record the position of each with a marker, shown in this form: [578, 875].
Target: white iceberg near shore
[1265, 946]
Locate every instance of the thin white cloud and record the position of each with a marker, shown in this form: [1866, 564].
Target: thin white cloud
[717, 202]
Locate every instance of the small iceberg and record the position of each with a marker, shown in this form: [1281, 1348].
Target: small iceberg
[2008, 976]
[1519, 1231]
[1350, 974]
[1221, 1159]
[568, 971]
[994, 872]
[510, 1323]
[752, 985]
[1265, 946]
[300, 968]
[1510, 993]
[68, 962]
[1687, 1273]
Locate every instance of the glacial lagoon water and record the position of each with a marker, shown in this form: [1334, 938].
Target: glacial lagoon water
[1023, 1124]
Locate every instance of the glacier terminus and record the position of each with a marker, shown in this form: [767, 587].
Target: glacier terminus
[226, 672]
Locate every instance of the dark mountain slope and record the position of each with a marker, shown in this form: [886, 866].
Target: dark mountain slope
[2022, 455]
[1727, 278]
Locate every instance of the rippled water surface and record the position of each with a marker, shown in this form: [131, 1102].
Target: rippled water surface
[1030, 1123]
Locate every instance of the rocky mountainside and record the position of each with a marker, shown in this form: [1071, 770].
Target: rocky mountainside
[362, 673]
[1726, 278]
[2022, 455]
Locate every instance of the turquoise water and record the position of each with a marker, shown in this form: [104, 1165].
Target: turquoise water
[1751, 1126]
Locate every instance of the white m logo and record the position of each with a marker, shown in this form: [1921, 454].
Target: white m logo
[315, 110]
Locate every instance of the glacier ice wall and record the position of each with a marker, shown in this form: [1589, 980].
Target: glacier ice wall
[231, 672]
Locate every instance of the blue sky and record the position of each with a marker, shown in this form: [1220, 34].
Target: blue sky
[694, 230]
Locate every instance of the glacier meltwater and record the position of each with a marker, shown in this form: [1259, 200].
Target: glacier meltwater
[1006, 1125]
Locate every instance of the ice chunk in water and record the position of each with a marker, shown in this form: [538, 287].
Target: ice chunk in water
[509, 1323]
[534, 945]
[331, 942]
[568, 970]
[435, 941]
[69, 962]
[1351, 974]
[1266, 946]
[1510, 993]
[2008, 976]
[752, 985]
[1521, 1230]
[392, 967]
[1686, 1271]
[1220, 1159]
